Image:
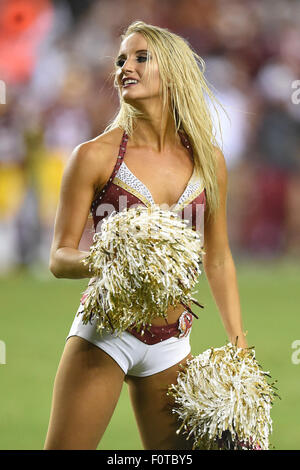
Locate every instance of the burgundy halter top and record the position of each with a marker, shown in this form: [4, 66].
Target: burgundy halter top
[123, 189]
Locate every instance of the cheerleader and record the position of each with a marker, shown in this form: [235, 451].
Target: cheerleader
[160, 149]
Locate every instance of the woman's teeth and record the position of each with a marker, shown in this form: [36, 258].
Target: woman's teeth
[129, 82]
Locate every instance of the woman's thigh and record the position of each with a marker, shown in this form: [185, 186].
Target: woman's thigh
[152, 407]
[86, 389]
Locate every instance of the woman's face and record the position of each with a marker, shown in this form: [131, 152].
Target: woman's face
[135, 82]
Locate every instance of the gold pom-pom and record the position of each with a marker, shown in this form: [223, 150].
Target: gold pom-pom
[144, 259]
[223, 400]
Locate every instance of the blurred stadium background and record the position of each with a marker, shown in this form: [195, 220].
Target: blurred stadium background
[56, 59]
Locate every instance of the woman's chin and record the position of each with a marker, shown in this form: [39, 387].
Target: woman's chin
[131, 95]
[132, 100]
[135, 99]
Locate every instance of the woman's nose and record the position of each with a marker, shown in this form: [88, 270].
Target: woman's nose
[128, 65]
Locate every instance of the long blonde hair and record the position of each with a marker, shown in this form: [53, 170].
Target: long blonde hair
[182, 76]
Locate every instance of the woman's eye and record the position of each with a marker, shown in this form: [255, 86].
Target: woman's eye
[120, 62]
[142, 58]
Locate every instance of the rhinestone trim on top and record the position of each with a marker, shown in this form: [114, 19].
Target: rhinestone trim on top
[192, 191]
[132, 184]
[125, 175]
[140, 195]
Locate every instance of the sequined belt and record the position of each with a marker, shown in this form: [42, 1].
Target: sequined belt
[155, 334]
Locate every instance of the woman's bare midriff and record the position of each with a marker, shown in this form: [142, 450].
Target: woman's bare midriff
[173, 315]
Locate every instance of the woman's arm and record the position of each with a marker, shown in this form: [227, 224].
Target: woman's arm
[219, 265]
[76, 194]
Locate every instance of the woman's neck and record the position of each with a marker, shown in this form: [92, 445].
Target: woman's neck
[155, 130]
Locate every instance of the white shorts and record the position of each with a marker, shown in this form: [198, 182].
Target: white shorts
[132, 355]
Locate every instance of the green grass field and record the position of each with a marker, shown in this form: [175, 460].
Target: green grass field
[37, 312]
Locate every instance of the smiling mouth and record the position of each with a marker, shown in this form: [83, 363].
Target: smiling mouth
[128, 83]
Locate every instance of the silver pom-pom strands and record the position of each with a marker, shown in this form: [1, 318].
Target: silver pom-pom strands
[144, 260]
[223, 400]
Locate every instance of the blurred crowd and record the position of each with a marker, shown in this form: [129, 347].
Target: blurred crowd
[56, 64]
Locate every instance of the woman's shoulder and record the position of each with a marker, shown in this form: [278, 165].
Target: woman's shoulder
[221, 167]
[95, 158]
[104, 146]
[218, 153]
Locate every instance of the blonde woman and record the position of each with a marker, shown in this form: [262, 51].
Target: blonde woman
[159, 149]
